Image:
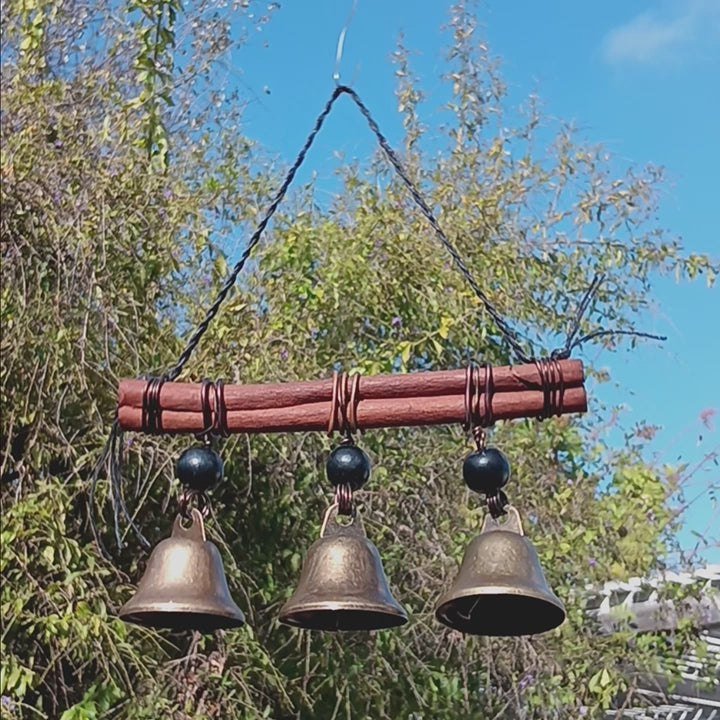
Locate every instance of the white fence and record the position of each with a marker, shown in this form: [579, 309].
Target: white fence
[643, 605]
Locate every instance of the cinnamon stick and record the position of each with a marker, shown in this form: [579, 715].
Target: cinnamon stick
[371, 412]
[186, 397]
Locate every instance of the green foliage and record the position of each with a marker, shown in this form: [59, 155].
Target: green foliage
[118, 169]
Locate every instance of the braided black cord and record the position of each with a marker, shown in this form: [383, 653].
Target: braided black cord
[509, 334]
[230, 281]
[595, 284]
[571, 343]
[194, 340]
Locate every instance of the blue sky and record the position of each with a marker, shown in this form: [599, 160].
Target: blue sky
[641, 77]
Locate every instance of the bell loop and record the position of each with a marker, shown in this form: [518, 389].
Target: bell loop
[330, 525]
[513, 523]
[196, 530]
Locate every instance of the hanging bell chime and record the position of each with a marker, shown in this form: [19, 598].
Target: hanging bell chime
[184, 585]
[500, 589]
[342, 585]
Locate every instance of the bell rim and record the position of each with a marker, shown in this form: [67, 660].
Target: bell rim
[395, 612]
[129, 613]
[549, 598]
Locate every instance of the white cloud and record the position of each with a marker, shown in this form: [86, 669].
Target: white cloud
[682, 29]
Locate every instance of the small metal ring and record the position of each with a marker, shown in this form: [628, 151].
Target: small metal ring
[560, 397]
[343, 498]
[496, 504]
[351, 411]
[488, 418]
[186, 499]
[468, 395]
[343, 403]
[206, 389]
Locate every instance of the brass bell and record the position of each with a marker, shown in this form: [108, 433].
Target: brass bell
[500, 589]
[184, 585]
[342, 585]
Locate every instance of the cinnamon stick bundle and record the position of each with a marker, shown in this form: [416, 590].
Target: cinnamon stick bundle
[422, 398]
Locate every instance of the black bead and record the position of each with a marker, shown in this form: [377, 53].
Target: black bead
[200, 468]
[348, 464]
[486, 471]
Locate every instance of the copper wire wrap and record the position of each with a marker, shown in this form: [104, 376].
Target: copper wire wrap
[212, 403]
[553, 386]
[344, 499]
[189, 498]
[151, 410]
[496, 503]
[478, 401]
[220, 426]
[343, 405]
[206, 391]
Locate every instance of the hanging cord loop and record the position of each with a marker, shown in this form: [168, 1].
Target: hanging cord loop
[510, 335]
[341, 44]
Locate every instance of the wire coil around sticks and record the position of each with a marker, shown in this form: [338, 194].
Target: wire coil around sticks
[212, 404]
[343, 404]
[552, 384]
[478, 401]
[206, 391]
[220, 425]
[151, 410]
